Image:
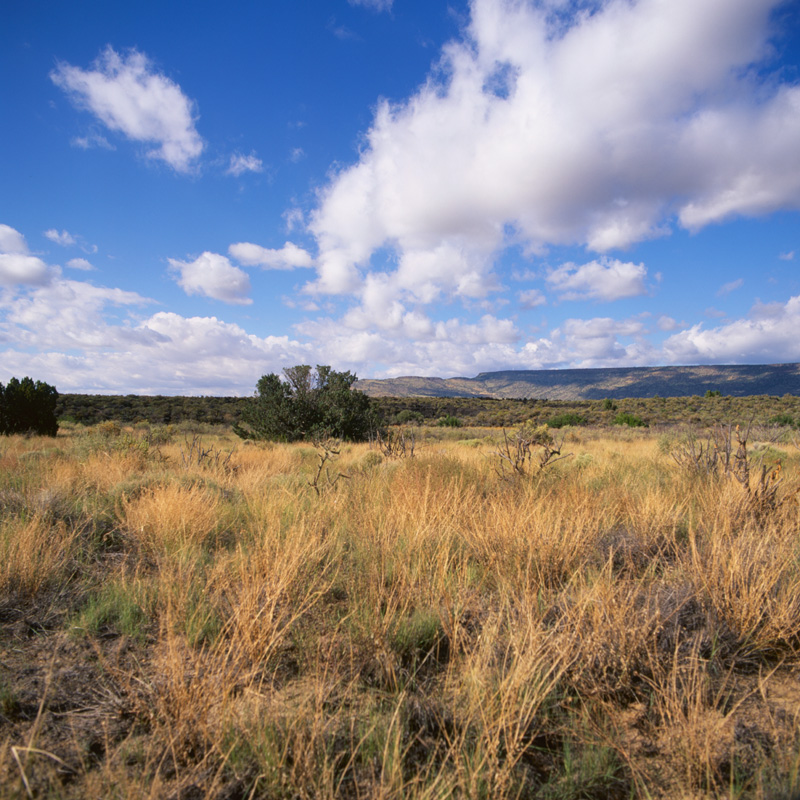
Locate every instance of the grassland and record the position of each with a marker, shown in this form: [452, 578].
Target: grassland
[185, 618]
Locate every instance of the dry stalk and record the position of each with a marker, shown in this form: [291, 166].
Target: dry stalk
[528, 445]
[725, 452]
[396, 444]
[194, 454]
[328, 451]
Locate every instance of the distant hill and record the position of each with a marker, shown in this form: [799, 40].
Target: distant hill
[596, 384]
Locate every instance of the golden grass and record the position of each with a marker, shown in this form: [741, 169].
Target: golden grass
[610, 627]
[34, 554]
[171, 518]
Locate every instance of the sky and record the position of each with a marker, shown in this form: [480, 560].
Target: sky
[194, 195]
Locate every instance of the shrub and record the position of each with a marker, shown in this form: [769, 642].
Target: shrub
[449, 422]
[407, 416]
[630, 420]
[562, 420]
[307, 405]
[609, 404]
[28, 407]
[783, 419]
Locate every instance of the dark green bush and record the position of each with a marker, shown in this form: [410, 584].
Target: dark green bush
[630, 420]
[449, 422]
[308, 404]
[28, 407]
[562, 420]
[786, 420]
[408, 417]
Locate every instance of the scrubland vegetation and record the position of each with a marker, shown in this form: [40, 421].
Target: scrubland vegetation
[191, 616]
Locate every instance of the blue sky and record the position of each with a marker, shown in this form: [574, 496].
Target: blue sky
[193, 196]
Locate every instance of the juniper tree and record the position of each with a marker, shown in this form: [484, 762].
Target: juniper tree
[26, 407]
[307, 404]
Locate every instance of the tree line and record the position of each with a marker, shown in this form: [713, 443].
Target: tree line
[306, 402]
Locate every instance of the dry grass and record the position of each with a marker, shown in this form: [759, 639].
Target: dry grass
[611, 626]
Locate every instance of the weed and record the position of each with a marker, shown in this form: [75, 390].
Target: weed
[516, 454]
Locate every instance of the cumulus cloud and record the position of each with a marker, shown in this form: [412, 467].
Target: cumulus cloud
[531, 298]
[80, 263]
[65, 239]
[67, 314]
[17, 265]
[294, 219]
[540, 126]
[212, 275]
[290, 256]
[12, 241]
[411, 343]
[165, 353]
[768, 334]
[592, 342]
[129, 96]
[666, 323]
[603, 279]
[240, 164]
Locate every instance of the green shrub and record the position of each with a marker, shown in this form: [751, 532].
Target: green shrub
[562, 420]
[630, 420]
[407, 416]
[308, 404]
[449, 422]
[784, 419]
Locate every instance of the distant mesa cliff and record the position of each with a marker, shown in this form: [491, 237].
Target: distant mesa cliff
[596, 384]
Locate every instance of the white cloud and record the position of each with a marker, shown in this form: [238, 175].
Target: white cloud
[540, 128]
[64, 238]
[594, 342]
[294, 219]
[666, 323]
[80, 263]
[65, 315]
[603, 279]
[163, 354]
[12, 241]
[531, 298]
[128, 96]
[290, 256]
[17, 266]
[374, 5]
[297, 154]
[788, 256]
[212, 275]
[91, 141]
[240, 164]
[729, 287]
[768, 335]
[342, 31]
